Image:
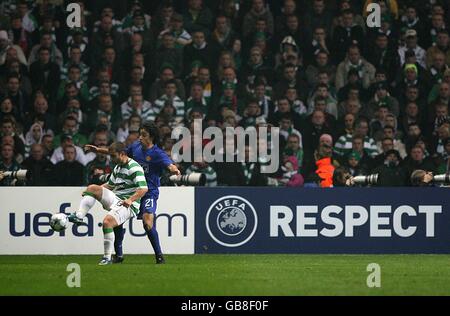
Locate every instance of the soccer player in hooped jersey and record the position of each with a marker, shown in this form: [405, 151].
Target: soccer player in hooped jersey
[121, 196]
[153, 160]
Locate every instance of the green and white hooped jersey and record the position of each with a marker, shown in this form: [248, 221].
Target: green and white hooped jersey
[126, 179]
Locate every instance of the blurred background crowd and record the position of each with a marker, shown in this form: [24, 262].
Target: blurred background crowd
[371, 99]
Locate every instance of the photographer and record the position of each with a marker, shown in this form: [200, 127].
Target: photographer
[7, 163]
[342, 178]
[421, 178]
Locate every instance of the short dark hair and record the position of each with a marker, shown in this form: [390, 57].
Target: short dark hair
[42, 48]
[118, 147]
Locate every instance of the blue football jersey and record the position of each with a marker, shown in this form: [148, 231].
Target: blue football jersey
[153, 161]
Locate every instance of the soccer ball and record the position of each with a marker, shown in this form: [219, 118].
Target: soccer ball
[58, 222]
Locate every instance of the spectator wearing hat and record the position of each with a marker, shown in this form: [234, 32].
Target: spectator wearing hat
[412, 74]
[381, 98]
[411, 43]
[352, 163]
[293, 29]
[411, 20]
[345, 35]
[290, 176]
[182, 37]
[354, 60]
[442, 46]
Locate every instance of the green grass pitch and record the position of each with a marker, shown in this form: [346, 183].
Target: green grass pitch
[228, 275]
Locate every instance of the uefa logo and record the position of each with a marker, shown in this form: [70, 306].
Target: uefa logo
[231, 221]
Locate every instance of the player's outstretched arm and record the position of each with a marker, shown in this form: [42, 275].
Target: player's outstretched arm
[97, 150]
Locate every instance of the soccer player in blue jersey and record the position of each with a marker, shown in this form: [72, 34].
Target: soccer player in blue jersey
[153, 160]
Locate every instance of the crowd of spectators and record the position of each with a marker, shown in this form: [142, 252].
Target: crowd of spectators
[372, 99]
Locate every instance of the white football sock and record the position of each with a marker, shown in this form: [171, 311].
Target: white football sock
[108, 242]
[87, 202]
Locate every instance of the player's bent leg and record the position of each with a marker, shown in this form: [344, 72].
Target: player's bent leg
[116, 217]
[90, 195]
[109, 222]
[148, 220]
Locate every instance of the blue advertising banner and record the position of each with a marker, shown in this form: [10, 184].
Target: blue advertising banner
[334, 221]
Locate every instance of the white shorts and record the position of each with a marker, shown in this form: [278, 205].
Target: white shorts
[113, 204]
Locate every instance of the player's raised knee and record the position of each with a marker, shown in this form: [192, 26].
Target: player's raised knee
[108, 222]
